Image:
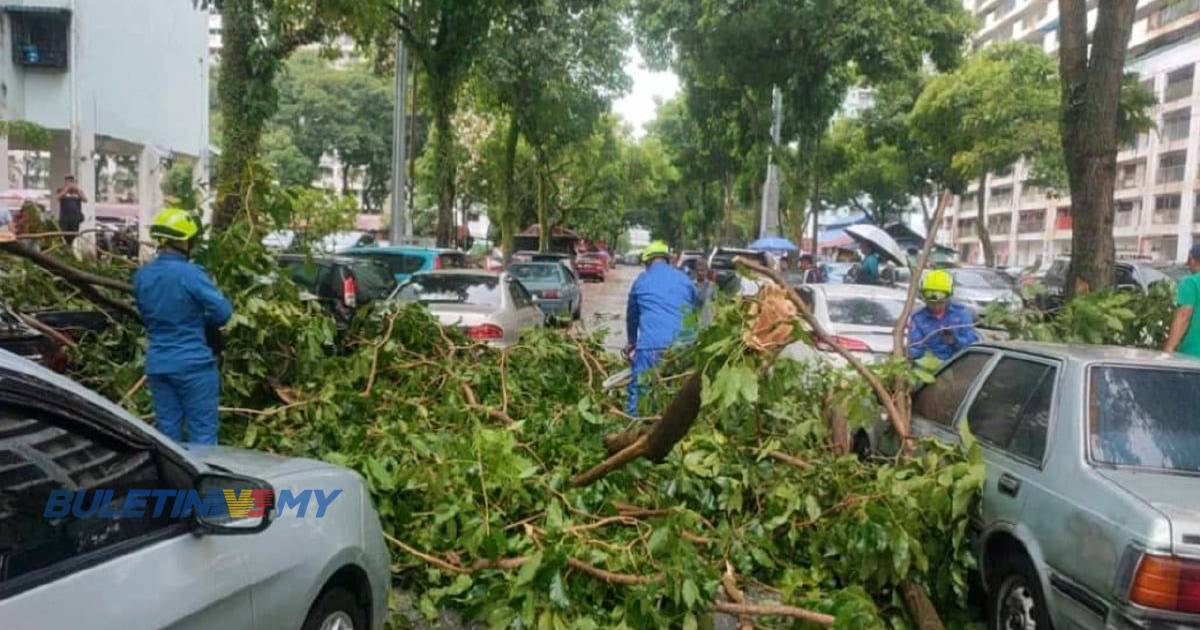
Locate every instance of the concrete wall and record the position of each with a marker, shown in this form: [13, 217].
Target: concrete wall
[137, 73]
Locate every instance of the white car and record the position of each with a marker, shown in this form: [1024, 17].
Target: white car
[488, 306]
[102, 525]
[860, 318]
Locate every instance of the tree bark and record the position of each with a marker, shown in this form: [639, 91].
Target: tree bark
[242, 117]
[508, 216]
[727, 209]
[816, 197]
[1091, 91]
[542, 215]
[442, 100]
[981, 228]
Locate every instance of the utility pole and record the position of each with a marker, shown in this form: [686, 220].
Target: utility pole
[769, 220]
[398, 232]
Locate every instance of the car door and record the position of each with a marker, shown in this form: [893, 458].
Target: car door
[1009, 414]
[87, 571]
[571, 286]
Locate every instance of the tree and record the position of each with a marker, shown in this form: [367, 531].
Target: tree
[1092, 70]
[291, 166]
[874, 180]
[257, 36]
[998, 107]
[553, 69]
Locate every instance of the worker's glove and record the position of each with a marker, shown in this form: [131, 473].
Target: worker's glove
[629, 352]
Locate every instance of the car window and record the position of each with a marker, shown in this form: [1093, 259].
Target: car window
[520, 296]
[939, 400]
[1124, 275]
[1012, 409]
[329, 282]
[452, 289]
[42, 453]
[303, 273]
[981, 279]
[452, 261]
[861, 311]
[1144, 417]
[372, 281]
[403, 264]
[535, 272]
[569, 274]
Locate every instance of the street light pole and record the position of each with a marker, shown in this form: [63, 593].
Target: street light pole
[398, 232]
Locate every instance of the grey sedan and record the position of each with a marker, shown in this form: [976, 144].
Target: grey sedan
[98, 527]
[1091, 509]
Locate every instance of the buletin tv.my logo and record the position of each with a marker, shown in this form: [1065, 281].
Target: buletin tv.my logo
[140, 502]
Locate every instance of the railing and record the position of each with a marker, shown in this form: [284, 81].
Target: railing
[1169, 174]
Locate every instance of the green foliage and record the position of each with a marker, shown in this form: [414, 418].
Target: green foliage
[26, 134]
[1113, 317]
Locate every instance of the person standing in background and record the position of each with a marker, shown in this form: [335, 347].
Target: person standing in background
[1184, 337]
[70, 208]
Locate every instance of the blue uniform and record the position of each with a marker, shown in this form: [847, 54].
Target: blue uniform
[178, 301]
[658, 301]
[927, 333]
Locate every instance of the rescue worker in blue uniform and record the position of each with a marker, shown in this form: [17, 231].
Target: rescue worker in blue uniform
[180, 306]
[658, 301]
[942, 327]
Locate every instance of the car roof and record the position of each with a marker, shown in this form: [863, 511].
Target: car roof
[401, 249]
[1089, 353]
[737, 250]
[335, 259]
[539, 263]
[858, 290]
[459, 272]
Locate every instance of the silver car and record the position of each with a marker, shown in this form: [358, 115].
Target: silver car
[1091, 509]
[98, 528]
[488, 306]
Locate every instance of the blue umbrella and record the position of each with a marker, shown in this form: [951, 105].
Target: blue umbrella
[774, 244]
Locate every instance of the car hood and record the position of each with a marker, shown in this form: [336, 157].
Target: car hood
[1174, 495]
[256, 463]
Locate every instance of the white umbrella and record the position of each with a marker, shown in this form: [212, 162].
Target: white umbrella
[880, 240]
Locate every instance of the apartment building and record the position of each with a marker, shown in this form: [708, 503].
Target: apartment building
[1158, 180]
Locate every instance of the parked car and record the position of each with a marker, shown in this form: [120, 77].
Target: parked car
[728, 278]
[19, 338]
[979, 287]
[487, 306]
[403, 262]
[341, 284]
[566, 260]
[835, 272]
[191, 570]
[555, 286]
[1089, 515]
[1136, 276]
[591, 266]
[860, 318]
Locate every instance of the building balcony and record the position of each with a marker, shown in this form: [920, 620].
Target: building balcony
[1151, 33]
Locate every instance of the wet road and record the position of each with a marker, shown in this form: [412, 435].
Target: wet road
[604, 304]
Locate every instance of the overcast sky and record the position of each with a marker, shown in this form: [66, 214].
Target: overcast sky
[638, 106]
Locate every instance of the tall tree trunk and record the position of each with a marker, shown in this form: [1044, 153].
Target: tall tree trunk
[981, 228]
[508, 215]
[243, 116]
[542, 215]
[412, 138]
[928, 220]
[1091, 92]
[816, 197]
[727, 209]
[442, 100]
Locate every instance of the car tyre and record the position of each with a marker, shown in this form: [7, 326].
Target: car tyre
[1015, 599]
[577, 314]
[336, 609]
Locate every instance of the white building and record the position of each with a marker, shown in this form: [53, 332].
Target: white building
[1156, 188]
[107, 77]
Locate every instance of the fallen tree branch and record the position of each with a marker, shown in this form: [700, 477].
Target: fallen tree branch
[791, 460]
[920, 608]
[60, 268]
[133, 390]
[774, 610]
[881, 392]
[624, 579]
[49, 331]
[729, 583]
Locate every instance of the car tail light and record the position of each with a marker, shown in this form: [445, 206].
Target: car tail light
[437, 262]
[849, 343]
[485, 331]
[349, 291]
[1167, 584]
[552, 294]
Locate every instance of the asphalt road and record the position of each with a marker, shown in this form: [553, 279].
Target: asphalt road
[604, 304]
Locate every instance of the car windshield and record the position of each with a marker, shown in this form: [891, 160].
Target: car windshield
[1145, 417]
[535, 273]
[865, 311]
[438, 289]
[373, 280]
[981, 279]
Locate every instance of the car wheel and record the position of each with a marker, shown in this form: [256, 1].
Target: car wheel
[1016, 602]
[578, 314]
[336, 609]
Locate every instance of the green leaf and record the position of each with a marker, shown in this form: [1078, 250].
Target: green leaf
[529, 569]
[812, 508]
[691, 594]
[558, 592]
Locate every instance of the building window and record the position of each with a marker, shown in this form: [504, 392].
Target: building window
[1129, 174]
[1166, 209]
[1000, 224]
[40, 37]
[1030, 192]
[1175, 125]
[1179, 83]
[1001, 197]
[1170, 167]
[1148, 85]
[1127, 212]
[1173, 11]
[1062, 218]
[966, 225]
[1031, 221]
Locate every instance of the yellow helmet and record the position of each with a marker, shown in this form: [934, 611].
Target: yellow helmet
[173, 224]
[937, 286]
[657, 249]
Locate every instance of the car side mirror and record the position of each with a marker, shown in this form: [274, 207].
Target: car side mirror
[232, 504]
